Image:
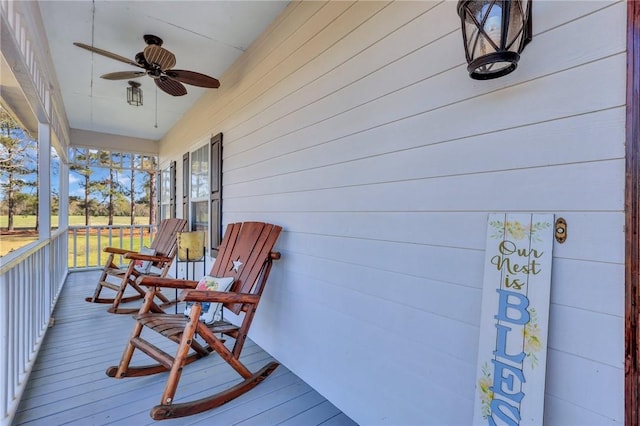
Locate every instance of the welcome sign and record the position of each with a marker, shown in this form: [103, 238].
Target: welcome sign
[512, 350]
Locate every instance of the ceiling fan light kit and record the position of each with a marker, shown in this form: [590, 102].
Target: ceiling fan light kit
[157, 62]
[134, 94]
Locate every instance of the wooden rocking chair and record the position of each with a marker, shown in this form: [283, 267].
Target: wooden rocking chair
[246, 255]
[163, 247]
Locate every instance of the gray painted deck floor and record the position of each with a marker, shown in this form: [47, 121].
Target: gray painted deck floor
[68, 385]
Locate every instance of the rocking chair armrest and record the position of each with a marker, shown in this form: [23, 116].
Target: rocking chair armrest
[150, 281]
[153, 258]
[217, 296]
[116, 250]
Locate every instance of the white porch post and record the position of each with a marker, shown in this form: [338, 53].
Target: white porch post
[44, 180]
[63, 210]
[44, 205]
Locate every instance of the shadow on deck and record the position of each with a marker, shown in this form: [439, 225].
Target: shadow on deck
[68, 384]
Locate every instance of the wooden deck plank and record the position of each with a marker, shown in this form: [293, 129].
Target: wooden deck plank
[282, 412]
[324, 410]
[256, 406]
[68, 384]
[338, 420]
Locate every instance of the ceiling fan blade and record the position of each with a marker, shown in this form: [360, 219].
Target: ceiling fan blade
[108, 54]
[172, 87]
[160, 56]
[193, 78]
[122, 75]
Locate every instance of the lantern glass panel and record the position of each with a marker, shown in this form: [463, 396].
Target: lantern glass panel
[134, 95]
[517, 18]
[491, 17]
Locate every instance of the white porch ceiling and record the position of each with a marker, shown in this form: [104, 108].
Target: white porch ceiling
[205, 36]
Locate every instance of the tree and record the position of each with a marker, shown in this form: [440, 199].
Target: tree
[111, 191]
[80, 165]
[149, 165]
[132, 196]
[18, 162]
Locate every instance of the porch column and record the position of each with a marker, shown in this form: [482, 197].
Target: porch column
[63, 210]
[44, 181]
[44, 208]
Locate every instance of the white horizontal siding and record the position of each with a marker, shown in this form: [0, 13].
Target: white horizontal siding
[354, 125]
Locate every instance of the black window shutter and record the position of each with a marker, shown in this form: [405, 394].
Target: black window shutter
[172, 190]
[215, 196]
[186, 175]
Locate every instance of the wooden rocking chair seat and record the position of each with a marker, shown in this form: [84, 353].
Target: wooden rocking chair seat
[172, 326]
[118, 278]
[244, 254]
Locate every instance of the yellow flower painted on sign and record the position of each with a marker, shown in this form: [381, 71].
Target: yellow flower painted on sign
[485, 382]
[517, 230]
[532, 340]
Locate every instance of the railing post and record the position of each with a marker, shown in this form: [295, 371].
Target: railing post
[99, 260]
[5, 343]
[75, 247]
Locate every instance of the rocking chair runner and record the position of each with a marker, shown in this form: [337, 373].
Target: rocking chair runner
[246, 255]
[164, 247]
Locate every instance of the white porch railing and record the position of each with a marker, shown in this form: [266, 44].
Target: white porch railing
[29, 287]
[86, 243]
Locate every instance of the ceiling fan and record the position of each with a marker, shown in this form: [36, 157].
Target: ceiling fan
[157, 63]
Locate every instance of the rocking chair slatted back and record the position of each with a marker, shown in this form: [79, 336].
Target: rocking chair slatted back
[165, 242]
[244, 246]
[118, 278]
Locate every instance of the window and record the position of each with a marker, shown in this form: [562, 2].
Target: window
[167, 192]
[199, 189]
[202, 190]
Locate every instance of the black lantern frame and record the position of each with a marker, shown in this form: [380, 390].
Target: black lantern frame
[494, 32]
[134, 94]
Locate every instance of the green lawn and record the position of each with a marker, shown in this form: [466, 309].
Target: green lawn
[30, 221]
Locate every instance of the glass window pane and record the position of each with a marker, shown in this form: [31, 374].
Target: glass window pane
[199, 217]
[166, 186]
[200, 173]
[126, 160]
[93, 157]
[104, 158]
[116, 160]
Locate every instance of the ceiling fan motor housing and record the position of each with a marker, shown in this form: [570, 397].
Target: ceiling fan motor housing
[152, 39]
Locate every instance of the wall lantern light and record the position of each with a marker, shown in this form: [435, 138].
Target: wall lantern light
[134, 94]
[494, 33]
